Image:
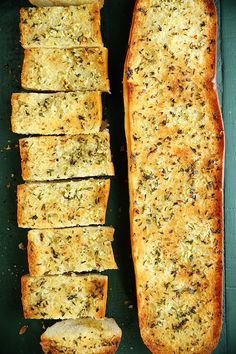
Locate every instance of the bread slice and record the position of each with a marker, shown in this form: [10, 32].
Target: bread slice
[62, 204]
[80, 69]
[56, 113]
[41, 3]
[64, 297]
[175, 145]
[82, 336]
[78, 249]
[61, 27]
[62, 157]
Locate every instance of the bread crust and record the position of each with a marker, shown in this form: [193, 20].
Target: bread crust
[162, 343]
[79, 69]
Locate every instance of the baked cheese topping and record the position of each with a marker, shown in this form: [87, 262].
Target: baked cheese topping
[61, 27]
[63, 157]
[80, 69]
[64, 297]
[78, 249]
[56, 113]
[62, 204]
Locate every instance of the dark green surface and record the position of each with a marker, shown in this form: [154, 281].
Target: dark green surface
[116, 22]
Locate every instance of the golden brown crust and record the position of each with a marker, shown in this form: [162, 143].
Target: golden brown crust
[157, 340]
[41, 3]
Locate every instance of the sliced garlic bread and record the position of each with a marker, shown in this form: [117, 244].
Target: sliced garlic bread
[79, 69]
[41, 3]
[64, 297]
[77, 249]
[82, 336]
[62, 157]
[56, 113]
[61, 27]
[175, 145]
[62, 204]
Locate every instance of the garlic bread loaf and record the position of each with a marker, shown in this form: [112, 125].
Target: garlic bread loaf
[175, 142]
[77, 249]
[64, 297]
[79, 69]
[41, 3]
[61, 27]
[62, 157]
[82, 336]
[56, 113]
[62, 204]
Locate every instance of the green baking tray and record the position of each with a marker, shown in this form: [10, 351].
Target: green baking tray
[116, 19]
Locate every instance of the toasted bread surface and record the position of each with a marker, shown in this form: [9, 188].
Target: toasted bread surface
[56, 113]
[42, 3]
[64, 297]
[62, 204]
[175, 141]
[61, 27]
[77, 249]
[48, 158]
[79, 69]
[87, 336]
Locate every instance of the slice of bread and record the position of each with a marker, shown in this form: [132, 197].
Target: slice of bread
[62, 204]
[56, 113]
[175, 145]
[80, 69]
[61, 27]
[82, 336]
[64, 297]
[62, 157]
[78, 249]
[41, 3]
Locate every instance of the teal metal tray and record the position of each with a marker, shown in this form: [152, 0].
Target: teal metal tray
[116, 19]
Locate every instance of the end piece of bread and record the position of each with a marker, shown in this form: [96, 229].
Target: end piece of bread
[77, 249]
[62, 204]
[64, 297]
[48, 158]
[42, 3]
[80, 69]
[82, 336]
[56, 113]
[61, 27]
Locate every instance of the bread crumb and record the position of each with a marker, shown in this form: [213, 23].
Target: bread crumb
[22, 330]
[21, 246]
